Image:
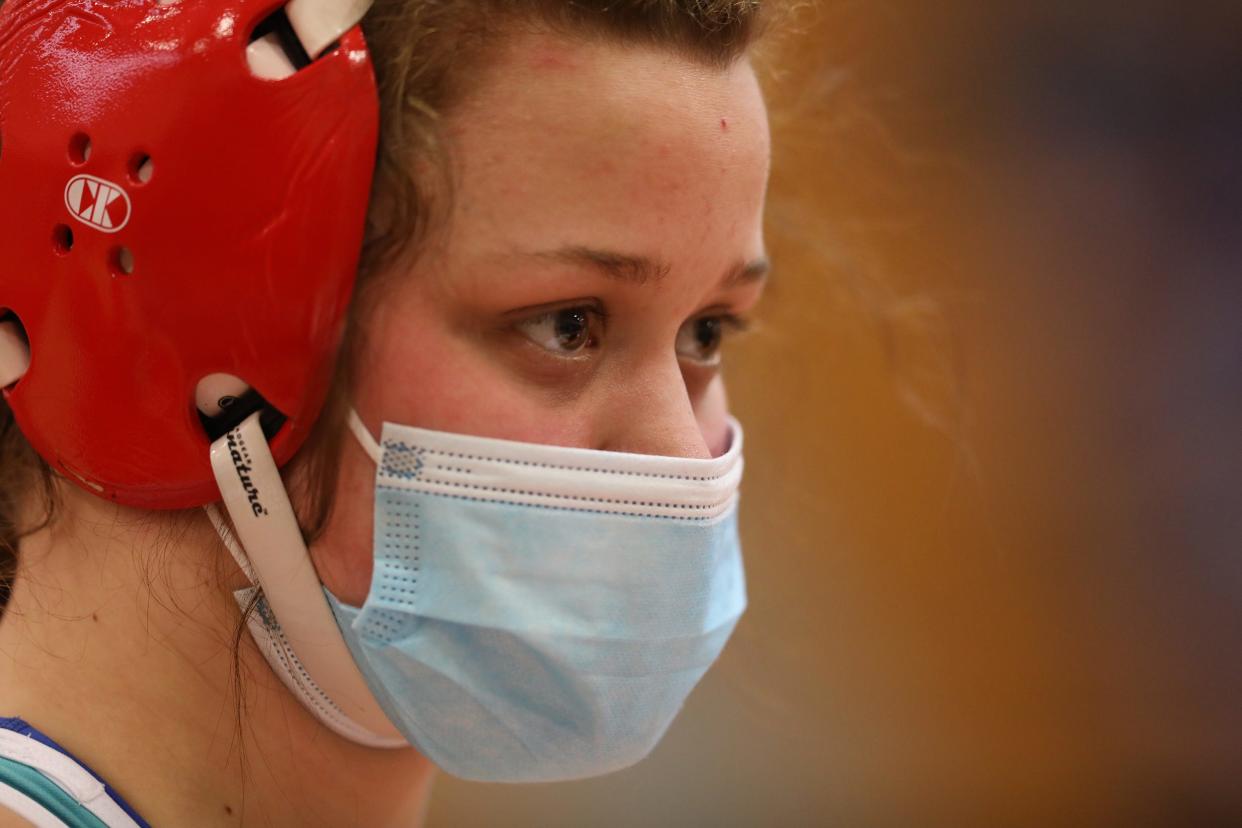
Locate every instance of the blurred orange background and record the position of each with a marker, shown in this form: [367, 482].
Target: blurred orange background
[994, 482]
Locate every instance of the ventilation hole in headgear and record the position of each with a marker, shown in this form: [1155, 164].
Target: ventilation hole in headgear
[80, 148]
[274, 51]
[62, 239]
[122, 261]
[141, 168]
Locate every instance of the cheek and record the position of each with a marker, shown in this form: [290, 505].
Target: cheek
[416, 369]
[423, 367]
[343, 554]
[712, 413]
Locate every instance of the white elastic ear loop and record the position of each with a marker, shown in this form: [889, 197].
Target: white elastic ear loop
[266, 528]
[364, 438]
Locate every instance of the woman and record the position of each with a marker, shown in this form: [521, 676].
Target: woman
[518, 491]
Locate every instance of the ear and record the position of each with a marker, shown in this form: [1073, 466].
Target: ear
[14, 352]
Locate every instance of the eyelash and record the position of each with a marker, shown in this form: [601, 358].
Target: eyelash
[548, 328]
[550, 324]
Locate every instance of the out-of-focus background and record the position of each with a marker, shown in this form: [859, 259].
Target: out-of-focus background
[994, 494]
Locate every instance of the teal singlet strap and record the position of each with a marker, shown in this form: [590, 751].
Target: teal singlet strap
[48, 794]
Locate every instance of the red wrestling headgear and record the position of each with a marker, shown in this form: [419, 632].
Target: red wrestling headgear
[175, 205]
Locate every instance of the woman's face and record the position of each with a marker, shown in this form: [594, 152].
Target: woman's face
[605, 235]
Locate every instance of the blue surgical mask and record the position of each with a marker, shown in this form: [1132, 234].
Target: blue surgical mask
[539, 613]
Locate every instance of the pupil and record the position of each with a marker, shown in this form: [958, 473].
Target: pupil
[571, 327]
[708, 333]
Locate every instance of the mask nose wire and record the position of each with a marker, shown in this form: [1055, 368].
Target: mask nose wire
[267, 544]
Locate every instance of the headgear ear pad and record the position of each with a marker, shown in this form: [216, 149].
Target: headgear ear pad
[167, 216]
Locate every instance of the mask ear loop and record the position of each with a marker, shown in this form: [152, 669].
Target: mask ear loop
[364, 437]
[267, 543]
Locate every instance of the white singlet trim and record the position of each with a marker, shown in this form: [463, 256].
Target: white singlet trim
[71, 777]
[28, 809]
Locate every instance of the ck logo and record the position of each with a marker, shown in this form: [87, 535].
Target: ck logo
[101, 204]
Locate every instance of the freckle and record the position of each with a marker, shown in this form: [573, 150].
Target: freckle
[724, 124]
[228, 809]
[94, 616]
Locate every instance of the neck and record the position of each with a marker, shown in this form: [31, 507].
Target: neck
[121, 642]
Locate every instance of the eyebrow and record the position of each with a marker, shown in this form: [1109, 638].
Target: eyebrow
[745, 273]
[641, 270]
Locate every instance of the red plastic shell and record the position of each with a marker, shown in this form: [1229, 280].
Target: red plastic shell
[245, 241]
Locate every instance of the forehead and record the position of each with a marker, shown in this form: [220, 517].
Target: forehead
[630, 138]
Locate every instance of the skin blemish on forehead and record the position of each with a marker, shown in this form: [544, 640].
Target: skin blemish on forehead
[549, 58]
[724, 124]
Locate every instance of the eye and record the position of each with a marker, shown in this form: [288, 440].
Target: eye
[568, 332]
[699, 339]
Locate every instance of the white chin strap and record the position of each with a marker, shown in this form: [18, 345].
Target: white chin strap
[295, 628]
[299, 635]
